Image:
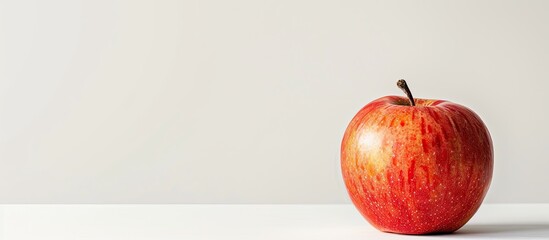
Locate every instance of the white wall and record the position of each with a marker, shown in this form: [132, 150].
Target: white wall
[246, 101]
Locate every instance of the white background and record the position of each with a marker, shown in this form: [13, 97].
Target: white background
[246, 101]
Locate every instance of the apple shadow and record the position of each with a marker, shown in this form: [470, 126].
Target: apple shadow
[503, 231]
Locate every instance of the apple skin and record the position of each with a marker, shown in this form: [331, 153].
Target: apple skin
[416, 169]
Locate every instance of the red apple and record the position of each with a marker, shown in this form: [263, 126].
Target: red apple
[416, 166]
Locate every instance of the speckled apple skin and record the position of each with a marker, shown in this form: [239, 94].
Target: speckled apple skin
[416, 169]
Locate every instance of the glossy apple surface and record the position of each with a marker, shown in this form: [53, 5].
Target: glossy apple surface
[416, 169]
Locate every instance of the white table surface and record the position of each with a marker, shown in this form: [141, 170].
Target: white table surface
[502, 221]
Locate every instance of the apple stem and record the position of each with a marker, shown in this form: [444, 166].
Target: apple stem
[402, 85]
